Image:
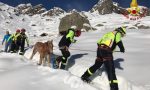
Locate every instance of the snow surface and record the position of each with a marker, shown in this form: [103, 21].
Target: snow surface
[20, 73]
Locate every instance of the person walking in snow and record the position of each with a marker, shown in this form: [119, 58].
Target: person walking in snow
[16, 38]
[7, 44]
[22, 42]
[106, 45]
[64, 44]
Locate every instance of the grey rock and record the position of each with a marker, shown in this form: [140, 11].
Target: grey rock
[103, 7]
[30, 10]
[120, 10]
[56, 11]
[99, 25]
[43, 34]
[148, 12]
[73, 19]
[143, 27]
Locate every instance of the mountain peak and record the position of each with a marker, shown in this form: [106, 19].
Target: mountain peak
[103, 7]
[55, 11]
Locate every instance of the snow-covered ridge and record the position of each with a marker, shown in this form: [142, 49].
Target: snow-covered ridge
[56, 11]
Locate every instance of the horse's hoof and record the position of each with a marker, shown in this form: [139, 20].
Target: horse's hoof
[38, 64]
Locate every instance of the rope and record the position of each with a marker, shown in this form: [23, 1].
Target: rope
[82, 50]
[77, 49]
[87, 50]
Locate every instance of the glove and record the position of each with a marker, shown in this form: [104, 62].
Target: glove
[74, 41]
[28, 45]
[122, 50]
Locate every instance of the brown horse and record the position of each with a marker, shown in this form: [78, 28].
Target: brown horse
[45, 50]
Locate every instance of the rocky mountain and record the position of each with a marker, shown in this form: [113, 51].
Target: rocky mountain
[4, 7]
[29, 9]
[118, 9]
[103, 7]
[38, 9]
[148, 12]
[34, 16]
[107, 7]
[56, 11]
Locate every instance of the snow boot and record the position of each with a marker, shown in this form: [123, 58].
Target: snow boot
[87, 80]
[114, 86]
[62, 66]
[21, 53]
[85, 77]
[56, 62]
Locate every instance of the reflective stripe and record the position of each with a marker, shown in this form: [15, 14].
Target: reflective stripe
[13, 37]
[90, 72]
[112, 40]
[63, 58]
[63, 63]
[16, 36]
[114, 81]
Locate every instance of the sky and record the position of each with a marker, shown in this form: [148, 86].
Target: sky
[80, 5]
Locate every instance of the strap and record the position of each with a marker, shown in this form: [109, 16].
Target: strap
[115, 36]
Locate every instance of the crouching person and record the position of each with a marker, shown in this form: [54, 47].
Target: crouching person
[106, 45]
[22, 42]
[16, 38]
[64, 44]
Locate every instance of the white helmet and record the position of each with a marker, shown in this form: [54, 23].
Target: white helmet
[74, 27]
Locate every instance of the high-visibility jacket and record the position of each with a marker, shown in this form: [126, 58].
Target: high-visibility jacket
[6, 37]
[68, 38]
[14, 37]
[111, 39]
[24, 38]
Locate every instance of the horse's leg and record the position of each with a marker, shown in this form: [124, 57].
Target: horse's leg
[41, 59]
[33, 53]
[44, 60]
[48, 58]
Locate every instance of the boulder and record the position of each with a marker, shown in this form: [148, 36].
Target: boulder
[43, 34]
[143, 27]
[72, 19]
[148, 12]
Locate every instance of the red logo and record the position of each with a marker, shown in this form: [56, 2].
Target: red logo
[135, 13]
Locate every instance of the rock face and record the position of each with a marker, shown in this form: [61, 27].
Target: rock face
[148, 12]
[142, 26]
[119, 10]
[56, 11]
[73, 19]
[107, 7]
[103, 7]
[38, 9]
[30, 10]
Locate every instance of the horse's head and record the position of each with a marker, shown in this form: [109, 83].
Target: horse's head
[50, 45]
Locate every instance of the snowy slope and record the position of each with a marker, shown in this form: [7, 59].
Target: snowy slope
[22, 74]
